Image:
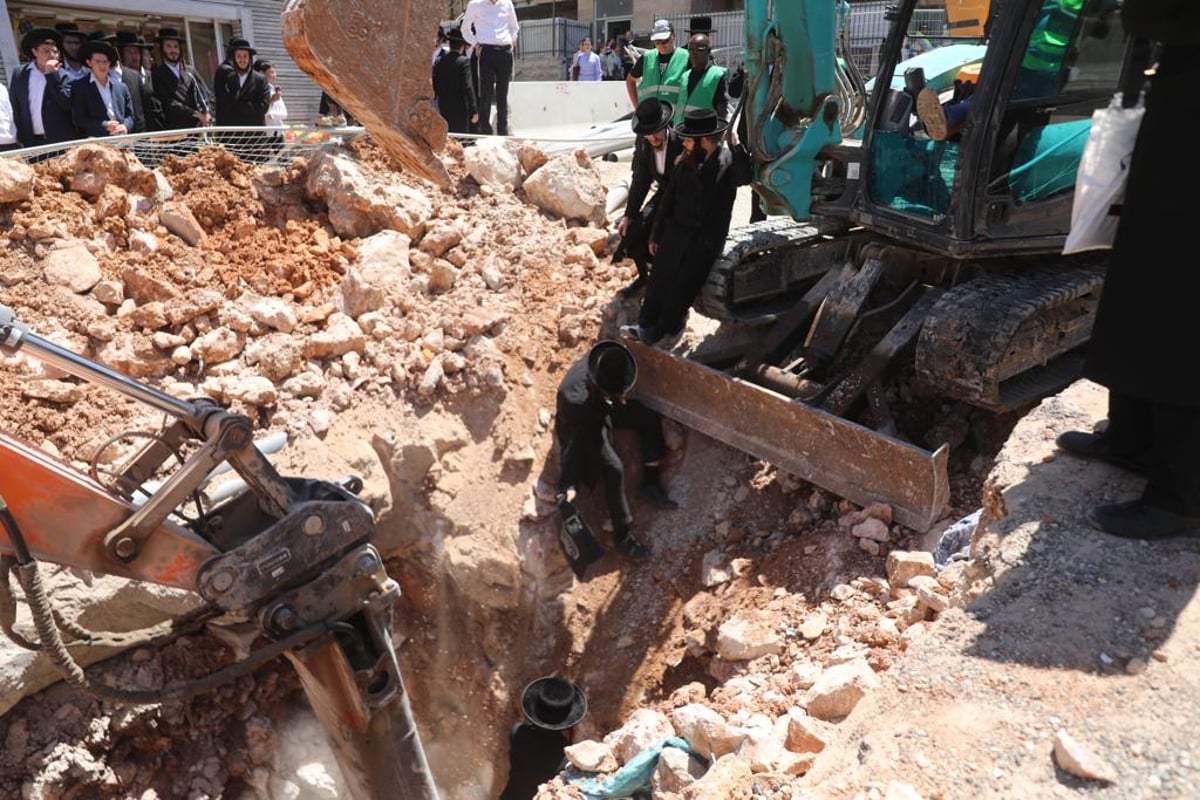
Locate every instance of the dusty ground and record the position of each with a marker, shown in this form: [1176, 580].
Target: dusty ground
[1086, 634]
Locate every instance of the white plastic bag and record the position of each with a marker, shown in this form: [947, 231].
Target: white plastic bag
[1100, 181]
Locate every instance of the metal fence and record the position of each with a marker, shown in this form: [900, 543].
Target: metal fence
[551, 37]
[270, 147]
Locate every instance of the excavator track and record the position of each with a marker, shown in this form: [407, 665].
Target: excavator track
[1005, 339]
[766, 265]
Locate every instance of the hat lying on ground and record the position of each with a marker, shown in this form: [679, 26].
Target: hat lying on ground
[652, 115]
[701, 122]
[37, 37]
[553, 703]
[611, 367]
[662, 30]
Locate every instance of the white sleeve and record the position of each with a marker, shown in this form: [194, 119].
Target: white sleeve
[468, 24]
[514, 27]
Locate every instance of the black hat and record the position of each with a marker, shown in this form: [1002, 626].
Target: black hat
[100, 36]
[453, 33]
[89, 49]
[129, 39]
[700, 25]
[169, 34]
[652, 115]
[553, 703]
[69, 29]
[37, 36]
[238, 43]
[612, 368]
[701, 122]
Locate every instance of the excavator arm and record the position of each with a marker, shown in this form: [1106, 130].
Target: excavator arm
[294, 555]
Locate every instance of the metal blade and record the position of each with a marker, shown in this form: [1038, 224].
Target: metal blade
[844, 457]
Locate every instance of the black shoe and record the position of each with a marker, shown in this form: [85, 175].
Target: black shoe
[658, 497]
[630, 546]
[632, 289]
[1096, 446]
[1138, 519]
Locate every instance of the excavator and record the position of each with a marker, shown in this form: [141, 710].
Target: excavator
[897, 253]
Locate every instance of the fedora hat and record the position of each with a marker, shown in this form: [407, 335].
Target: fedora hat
[611, 367]
[554, 704]
[238, 43]
[100, 36]
[652, 115]
[66, 29]
[453, 33]
[37, 36]
[129, 39]
[169, 34]
[90, 49]
[701, 122]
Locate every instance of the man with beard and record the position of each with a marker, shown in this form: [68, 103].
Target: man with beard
[242, 98]
[176, 86]
[72, 41]
[129, 47]
[40, 92]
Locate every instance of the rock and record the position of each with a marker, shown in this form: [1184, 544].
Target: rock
[569, 187]
[72, 266]
[804, 733]
[360, 206]
[706, 731]
[92, 166]
[16, 180]
[838, 690]
[341, 335]
[179, 220]
[728, 778]
[531, 157]
[748, 634]
[492, 164]
[591, 756]
[903, 566]
[675, 770]
[644, 728]
[379, 277]
[1077, 759]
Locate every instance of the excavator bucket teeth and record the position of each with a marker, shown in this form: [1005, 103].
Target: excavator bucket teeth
[337, 43]
[844, 457]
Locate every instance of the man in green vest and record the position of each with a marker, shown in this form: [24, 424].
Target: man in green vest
[659, 72]
[705, 84]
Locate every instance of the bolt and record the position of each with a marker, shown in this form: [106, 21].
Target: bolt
[221, 581]
[313, 525]
[366, 565]
[125, 548]
[284, 619]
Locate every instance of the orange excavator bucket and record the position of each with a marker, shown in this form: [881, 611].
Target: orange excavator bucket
[369, 55]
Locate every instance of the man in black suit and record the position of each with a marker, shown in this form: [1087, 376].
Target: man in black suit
[655, 153]
[100, 105]
[242, 99]
[41, 93]
[183, 98]
[452, 83]
[129, 47]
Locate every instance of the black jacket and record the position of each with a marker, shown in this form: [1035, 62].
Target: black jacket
[56, 107]
[453, 90]
[698, 202]
[146, 112]
[90, 113]
[580, 420]
[240, 103]
[179, 98]
[646, 174]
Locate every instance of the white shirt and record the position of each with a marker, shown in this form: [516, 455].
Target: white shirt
[277, 112]
[105, 96]
[37, 93]
[8, 125]
[490, 22]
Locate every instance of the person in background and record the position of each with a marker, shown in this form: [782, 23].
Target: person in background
[452, 86]
[332, 113]
[178, 89]
[587, 65]
[659, 72]
[40, 92]
[441, 43]
[241, 93]
[140, 92]
[277, 110]
[655, 152]
[101, 106]
[704, 84]
[592, 401]
[8, 125]
[491, 27]
[614, 69]
[1146, 305]
[625, 50]
[690, 227]
[551, 706]
[72, 40]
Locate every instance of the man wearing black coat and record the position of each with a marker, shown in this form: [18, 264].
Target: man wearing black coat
[129, 47]
[452, 84]
[1145, 331]
[181, 95]
[242, 95]
[40, 92]
[100, 105]
[654, 155]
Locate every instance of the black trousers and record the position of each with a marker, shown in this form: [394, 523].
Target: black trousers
[636, 244]
[495, 73]
[1169, 437]
[647, 423]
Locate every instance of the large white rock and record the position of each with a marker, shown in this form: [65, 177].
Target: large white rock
[360, 206]
[569, 187]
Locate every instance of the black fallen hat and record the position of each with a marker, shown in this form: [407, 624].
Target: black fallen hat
[652, 115]
[553, 703]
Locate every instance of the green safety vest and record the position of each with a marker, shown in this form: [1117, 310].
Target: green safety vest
[704, 93]
[672, 79]
[1052, 35]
